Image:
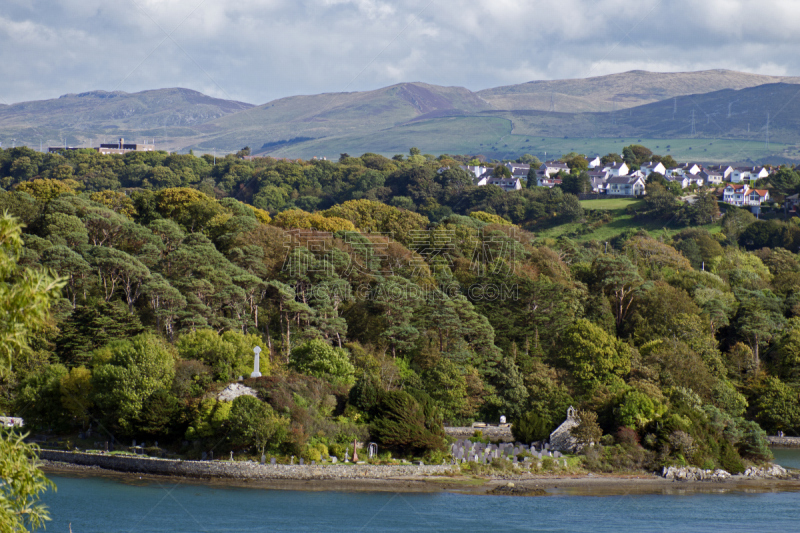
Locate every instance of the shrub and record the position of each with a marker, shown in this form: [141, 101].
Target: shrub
[401, 423]
[531, 426]
[320, 359]
[627, 437]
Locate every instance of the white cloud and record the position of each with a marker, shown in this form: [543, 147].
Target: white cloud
[258, 50]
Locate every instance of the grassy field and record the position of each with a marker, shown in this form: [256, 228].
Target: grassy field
[610, 204]
[620, 224]
[491, 137]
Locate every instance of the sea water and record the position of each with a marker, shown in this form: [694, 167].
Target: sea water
[100, 505]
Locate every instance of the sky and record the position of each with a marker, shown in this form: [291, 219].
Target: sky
[260, 50]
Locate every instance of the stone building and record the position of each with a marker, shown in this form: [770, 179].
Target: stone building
[561, 440]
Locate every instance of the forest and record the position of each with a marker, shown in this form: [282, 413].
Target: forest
[392, 297]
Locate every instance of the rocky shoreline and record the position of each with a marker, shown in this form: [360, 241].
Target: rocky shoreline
[373, 478]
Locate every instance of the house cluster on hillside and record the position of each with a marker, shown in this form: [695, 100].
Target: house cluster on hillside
[617, 179]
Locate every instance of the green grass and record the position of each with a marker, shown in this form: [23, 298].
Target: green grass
[619, 225]
[611, 204]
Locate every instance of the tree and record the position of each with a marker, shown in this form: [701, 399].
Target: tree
[636, 154]
[23, 483]
[253, 422]
[593, 356]
[45, 190]
[320, 359]
[576, 183]
[759, 319]
[619, 279]
[501, 171]
[735, 221]
[126, 373]
[587, 431]
[25, 297]
[402, 423]
[229, 355]
[531, 426]
[785, 181]
[577, 163]
[76, 392]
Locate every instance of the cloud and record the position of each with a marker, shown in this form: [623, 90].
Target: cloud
[259, 50]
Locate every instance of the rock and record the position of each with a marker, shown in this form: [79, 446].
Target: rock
[691, 473]
[234, 390]
[511, 490]
[771, 471]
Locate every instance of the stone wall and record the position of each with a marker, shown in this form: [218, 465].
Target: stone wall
[492, 432]
[789, 442]
[237, 470]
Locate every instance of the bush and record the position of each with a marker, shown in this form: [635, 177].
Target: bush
[401, 423]
[320, 359]
[531, 426]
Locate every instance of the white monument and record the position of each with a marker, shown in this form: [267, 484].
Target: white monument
[256, 361]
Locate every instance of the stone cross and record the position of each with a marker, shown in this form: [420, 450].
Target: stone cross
[256, 362]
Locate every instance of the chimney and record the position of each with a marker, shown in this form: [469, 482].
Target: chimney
[121, 143]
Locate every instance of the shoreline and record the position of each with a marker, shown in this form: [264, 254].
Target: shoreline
[565, 485]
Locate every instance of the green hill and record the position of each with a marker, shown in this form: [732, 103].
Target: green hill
[619, 91]
[170, 113]
[592, 115]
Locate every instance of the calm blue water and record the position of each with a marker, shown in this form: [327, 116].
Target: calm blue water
[787, 457]
[99, 505]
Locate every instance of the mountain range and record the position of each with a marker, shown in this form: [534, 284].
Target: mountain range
[722, 114]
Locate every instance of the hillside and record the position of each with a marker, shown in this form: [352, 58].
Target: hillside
[501, 122]
[619, 91]
[339, 114]
[90, 115]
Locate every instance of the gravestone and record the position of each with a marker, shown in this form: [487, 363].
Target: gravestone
[313, 463]
[302, 461]
[272, 461]
[334, 459]
[156, 444]
[292, 462]
[106, 445]
[212, 455]
[256, 363]
[203, 456]
[263, 458]
[134, 443]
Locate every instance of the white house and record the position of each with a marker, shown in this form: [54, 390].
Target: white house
[649, 168]
[545, 181]
[748, 174]
[681, 179]
[725, 170]
[475, 170]
[599, 179]
[553, 167]
[690, 168]
[740, 175]
[711, 177]
[594, 162]
[507, 184]
[519, 170]
[626, 186]
[617, 169]
[742, 194]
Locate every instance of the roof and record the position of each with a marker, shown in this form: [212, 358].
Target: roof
[736, 185]
[761, 192]
[624, 180]
[617, 165]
